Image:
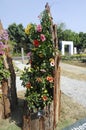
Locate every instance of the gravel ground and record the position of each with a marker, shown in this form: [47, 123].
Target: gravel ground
[75, 89]
[71, 87]
[18, 84]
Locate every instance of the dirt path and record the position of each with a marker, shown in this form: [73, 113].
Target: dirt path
[72, 71]
[73, 82]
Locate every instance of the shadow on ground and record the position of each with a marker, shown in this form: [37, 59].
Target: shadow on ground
[14, 122]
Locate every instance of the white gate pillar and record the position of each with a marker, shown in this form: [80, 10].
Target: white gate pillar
[71, 49]
[62, 49]
[70, 43]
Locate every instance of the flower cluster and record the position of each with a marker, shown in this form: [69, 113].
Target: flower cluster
[39, 78]
[1, 48]
[4, 73]
[3, 35]
[3, 39]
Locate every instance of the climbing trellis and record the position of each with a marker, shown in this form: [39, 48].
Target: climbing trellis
[44, 115]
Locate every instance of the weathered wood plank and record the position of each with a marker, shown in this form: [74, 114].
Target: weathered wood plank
[2, 116]
[26, 123]
[5, 98]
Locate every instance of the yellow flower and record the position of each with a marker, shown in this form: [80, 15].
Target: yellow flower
[41, 55]
[27, 29]
[51, 59]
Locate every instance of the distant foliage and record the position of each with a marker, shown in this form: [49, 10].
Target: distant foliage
[18, 37]
[79, 39]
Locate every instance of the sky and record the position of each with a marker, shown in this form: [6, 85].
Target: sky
[70, 12]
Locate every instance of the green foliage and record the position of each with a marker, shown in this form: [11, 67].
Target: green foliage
[82, 40]
[79, 39]
[17, 35]
[68, 35]
[81, 57]
[39, 79]
[4, 73]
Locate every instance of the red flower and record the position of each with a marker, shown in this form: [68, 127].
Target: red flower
[36, 43]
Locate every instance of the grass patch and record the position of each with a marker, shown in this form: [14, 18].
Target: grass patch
[6, 125]
[70, 112]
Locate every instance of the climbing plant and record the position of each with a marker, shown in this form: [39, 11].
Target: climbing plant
[39, 77]
[4, 72]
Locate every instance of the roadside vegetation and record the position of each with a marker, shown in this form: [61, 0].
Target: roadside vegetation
[78, 60]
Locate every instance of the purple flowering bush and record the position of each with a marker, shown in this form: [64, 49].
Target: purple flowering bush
[4, 73]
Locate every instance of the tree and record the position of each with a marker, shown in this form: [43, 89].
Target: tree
[68, 35]
[82, 36]
[18, 36]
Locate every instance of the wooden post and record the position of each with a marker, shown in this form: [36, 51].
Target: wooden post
[8, 85]
[36, 124]
[12, 83]
[57, 91]
[5, 98]
[1, 105]
[57, 97]
[41, 123]
[49, 118]
[26, 123]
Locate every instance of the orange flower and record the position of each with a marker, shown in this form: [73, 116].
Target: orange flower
[44, 98]
[50, 78]
[28, 85]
